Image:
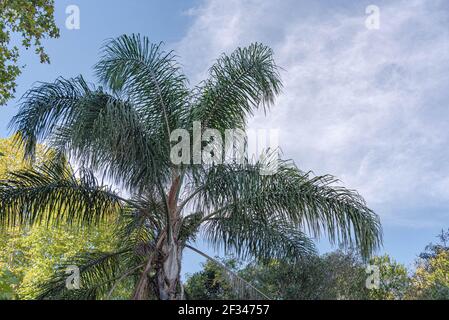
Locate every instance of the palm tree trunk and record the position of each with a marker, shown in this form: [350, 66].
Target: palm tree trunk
[169, 273]
[166, 258]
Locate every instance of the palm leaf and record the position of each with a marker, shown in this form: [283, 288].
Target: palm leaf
[52, 193]
[316, 204]
[98, 273]
[46, 107]
[238, 84]
[149, 77]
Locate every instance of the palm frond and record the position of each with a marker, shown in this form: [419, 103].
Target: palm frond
[315, 204]
[239, 83]
[52, 193]
[47, 106]
[108, 135]
[98, 272]
[149, 77]
[102, 131]
[252, 237]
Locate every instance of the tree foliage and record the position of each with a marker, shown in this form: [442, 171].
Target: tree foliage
[30, 20]
[211, 282]
[394, 279]
[334, 276]
[29, 255]
[431, 279]
[337, 275]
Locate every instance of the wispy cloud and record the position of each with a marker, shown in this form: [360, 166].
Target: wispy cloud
[369, 106]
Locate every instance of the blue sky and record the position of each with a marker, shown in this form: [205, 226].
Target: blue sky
[369, 106]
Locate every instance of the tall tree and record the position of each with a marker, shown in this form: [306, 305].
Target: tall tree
[28, 20]
[122, 131]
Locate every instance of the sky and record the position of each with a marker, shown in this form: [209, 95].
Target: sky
[368, 105]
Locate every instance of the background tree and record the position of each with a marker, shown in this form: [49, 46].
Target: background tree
[339, 275]
[431, 278]
[8, 282]
[432, 250]
[123, 132]
[394, 279]
[30, 20]
[211, 283]
[29, 255]
[333, 276]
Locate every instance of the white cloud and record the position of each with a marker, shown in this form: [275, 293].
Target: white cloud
[369, 106]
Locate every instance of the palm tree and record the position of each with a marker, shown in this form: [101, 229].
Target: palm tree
[121, 131]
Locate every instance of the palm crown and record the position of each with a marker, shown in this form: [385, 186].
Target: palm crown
[121, 131]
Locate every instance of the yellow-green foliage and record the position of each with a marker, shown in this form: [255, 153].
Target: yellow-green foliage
[431, 279]
[394, 280]
[11, 158]
[31, 255]
[28, 255]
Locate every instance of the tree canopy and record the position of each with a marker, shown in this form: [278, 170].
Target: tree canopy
[332, 276]
[27, 22]
[29, 255]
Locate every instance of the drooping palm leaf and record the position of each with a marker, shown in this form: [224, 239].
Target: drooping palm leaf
[101, 130]
[250, 237]
[314, 204]
[52, 193]
[97, 270]
[108, 135]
